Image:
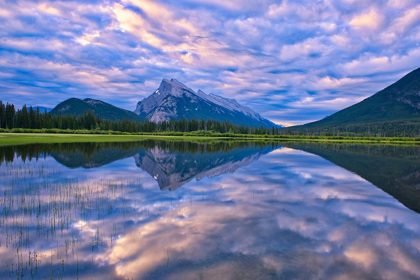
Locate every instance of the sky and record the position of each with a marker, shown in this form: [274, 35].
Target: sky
[291, 61]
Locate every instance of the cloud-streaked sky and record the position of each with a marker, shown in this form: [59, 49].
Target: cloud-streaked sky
[291, 61]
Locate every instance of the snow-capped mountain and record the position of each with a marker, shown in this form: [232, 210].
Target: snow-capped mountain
[174, 100]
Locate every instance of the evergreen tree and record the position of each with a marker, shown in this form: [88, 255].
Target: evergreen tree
[2, 115]
[25, 122]
[10, 115]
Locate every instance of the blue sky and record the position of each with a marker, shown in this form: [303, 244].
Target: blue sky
[291, 61]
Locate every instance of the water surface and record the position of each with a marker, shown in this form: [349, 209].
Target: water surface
[215, 210]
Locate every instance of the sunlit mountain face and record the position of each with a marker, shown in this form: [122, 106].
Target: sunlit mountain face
[182, 210]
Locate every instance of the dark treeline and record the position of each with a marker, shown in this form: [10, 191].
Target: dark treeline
[406, 128]
[407, 153]
[30, 118]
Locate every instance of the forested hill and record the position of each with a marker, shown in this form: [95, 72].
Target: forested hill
[395, 109]
[103, 110]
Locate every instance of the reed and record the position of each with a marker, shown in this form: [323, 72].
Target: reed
[48, 217]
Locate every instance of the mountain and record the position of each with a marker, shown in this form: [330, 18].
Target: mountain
[78, 107]
[398, 102]
[174, 101]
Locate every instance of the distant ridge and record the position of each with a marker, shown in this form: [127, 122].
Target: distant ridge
[175, 101]
[78, 107]
[42, 109]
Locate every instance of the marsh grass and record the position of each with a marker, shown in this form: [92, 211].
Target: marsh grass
[49, 219]
[8, 138]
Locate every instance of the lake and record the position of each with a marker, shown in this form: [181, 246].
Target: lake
[209, 210]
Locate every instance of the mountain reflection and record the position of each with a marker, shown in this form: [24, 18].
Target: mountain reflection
[171, 164]
[173, 168]
[394, 169]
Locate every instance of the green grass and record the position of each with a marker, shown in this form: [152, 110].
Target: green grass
[58, 136]
[24, 138]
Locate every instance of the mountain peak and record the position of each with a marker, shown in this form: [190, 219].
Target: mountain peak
[175, 81]
[93, 101]
[173, 86]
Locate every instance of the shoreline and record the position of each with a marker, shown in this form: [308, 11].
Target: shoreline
[8, 139]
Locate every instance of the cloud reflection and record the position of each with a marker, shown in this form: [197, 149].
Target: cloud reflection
[290, 214]
[284, 229]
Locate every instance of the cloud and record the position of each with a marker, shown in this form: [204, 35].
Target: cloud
[371, 64]
[313, 47]
[407, 20]
[371, 20]
[49, 9]
[267, 55]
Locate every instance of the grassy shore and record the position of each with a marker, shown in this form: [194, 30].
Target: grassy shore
[13, 138]
[25, 138]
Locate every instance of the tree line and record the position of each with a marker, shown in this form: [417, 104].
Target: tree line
[34, 118]
[403, 128]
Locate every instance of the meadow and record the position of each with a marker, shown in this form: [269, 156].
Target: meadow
[30, 136]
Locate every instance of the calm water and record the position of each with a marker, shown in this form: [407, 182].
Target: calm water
[228, 210]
